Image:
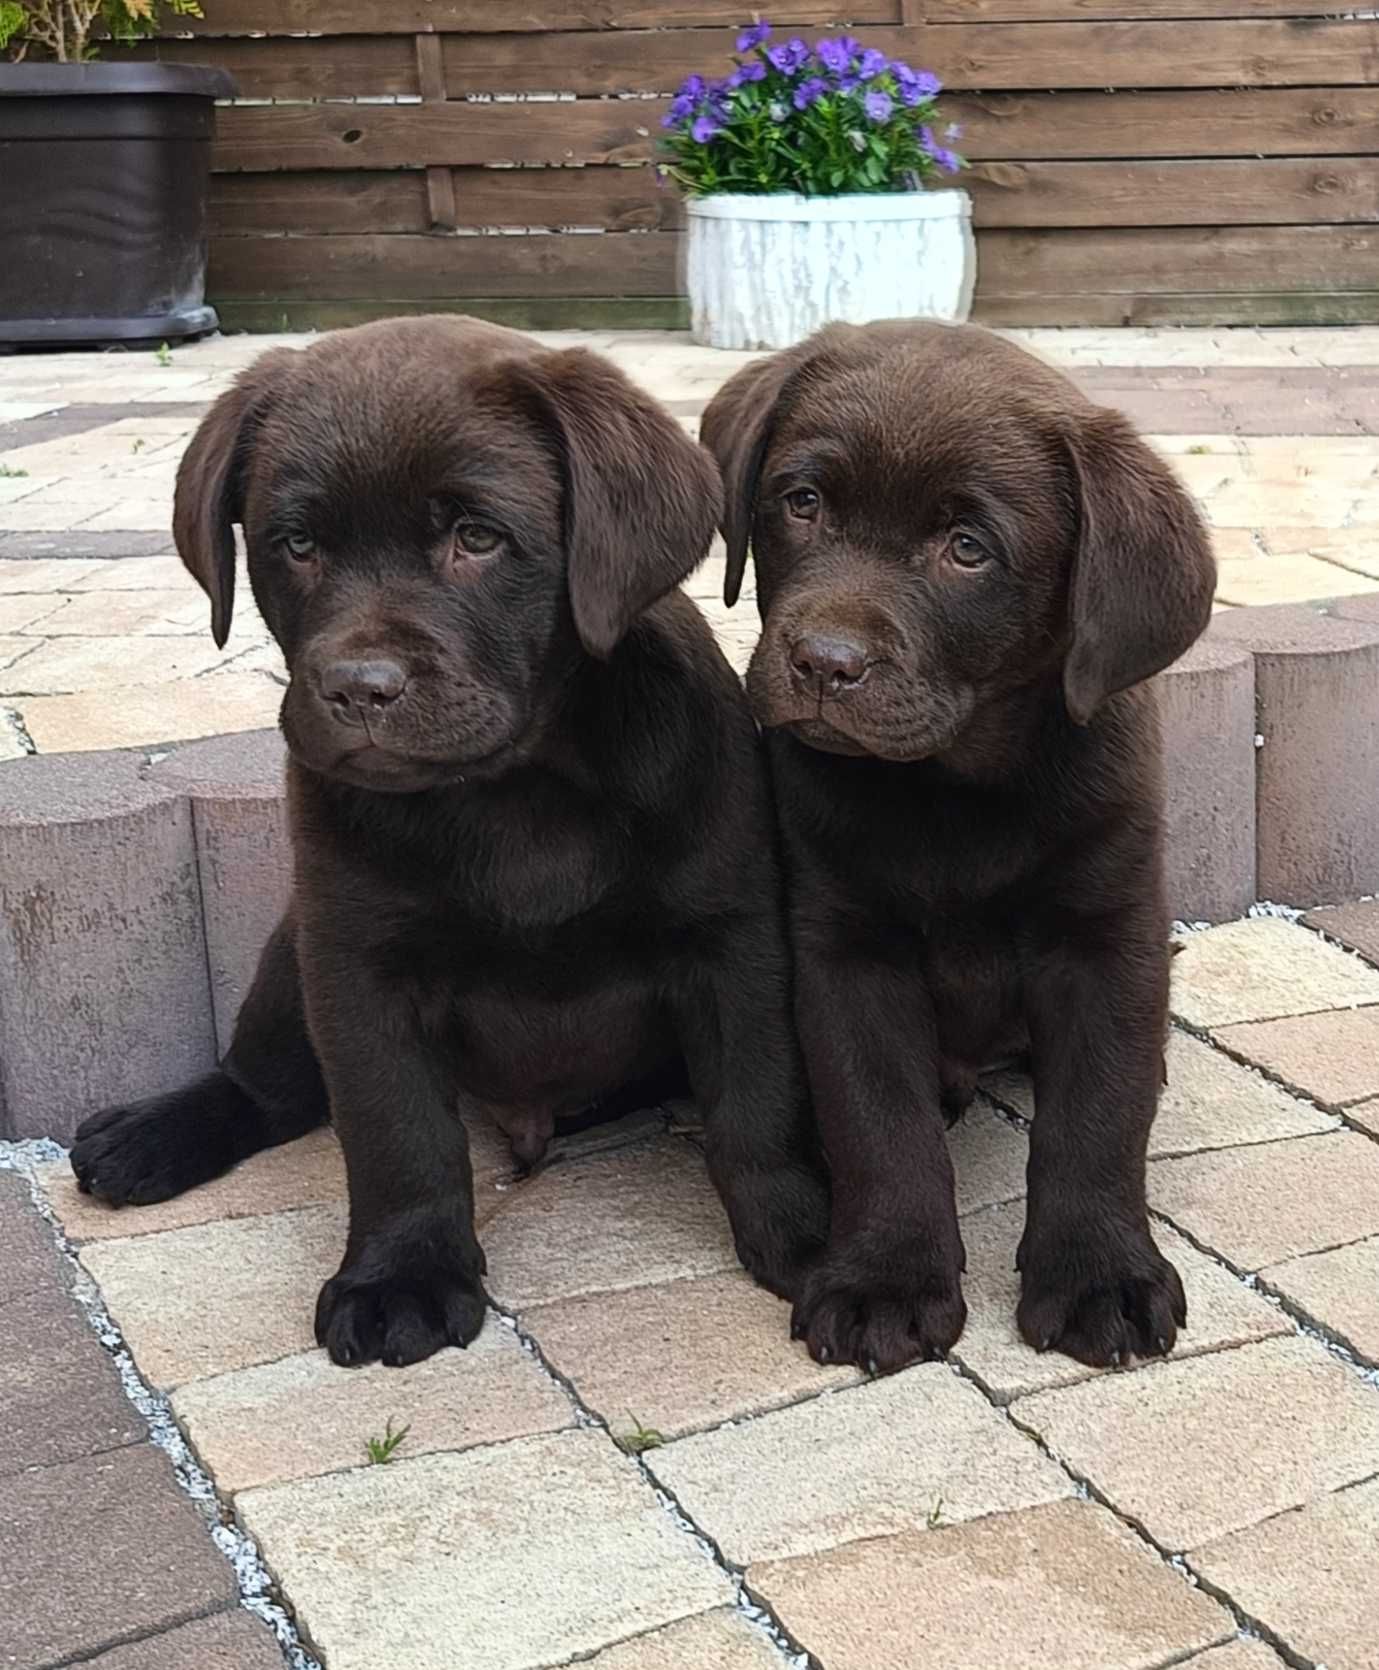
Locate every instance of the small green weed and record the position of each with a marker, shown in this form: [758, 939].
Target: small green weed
[1198, 450]
[139, 444]
[640, 1439]
[9, 473]
[385, 1448]
[936, 1514]
[163, 354]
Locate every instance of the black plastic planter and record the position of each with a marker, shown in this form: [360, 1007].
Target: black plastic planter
[104, 170]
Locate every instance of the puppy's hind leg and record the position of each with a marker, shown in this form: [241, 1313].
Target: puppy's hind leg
[268, 1090]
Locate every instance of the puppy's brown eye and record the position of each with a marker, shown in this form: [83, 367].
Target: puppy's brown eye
[475, 539]
[301, 547]
[803, 504]
[968, 552]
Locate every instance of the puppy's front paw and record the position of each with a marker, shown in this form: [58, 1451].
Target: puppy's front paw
[137, 1153]
[780, 1225]
[880, 1312]
[1101, 1293]
[366, 1315]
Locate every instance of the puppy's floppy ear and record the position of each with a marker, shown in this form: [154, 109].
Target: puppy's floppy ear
[1143, 576]
[209, 498]
[641, 499]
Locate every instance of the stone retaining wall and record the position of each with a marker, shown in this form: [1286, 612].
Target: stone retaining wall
[136, 890]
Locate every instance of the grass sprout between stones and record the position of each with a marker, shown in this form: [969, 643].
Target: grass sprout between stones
[381, 1450]
[640, 1439]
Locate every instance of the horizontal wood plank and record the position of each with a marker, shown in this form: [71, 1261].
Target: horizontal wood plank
[410, 17]
[1150, 260]
[1283, 191]
[300, 67]
[339, 201]
[1185, 307]
[1063, 126]
[404, 266]
[1231, 52]
[1041, 11]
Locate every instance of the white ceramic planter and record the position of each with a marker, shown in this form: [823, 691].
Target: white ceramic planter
[764, 272]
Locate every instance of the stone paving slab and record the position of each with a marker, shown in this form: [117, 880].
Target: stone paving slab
[302, 1416]
[1242, 1654]
[65, 1596]
[1259, 1205]
[1355, 925]
[516, 1556]
[227, 1641]
[1261, 969]
[1365, 1115]
[680, 1356]
[1338, 1290]
[1063, 1585]
[1196, 1448]
[1209, 1101]
[1222, 1311]
[1308, 1575]
[1333, 1056]
[28, 1257]
[720, 1640]
[830, 1471]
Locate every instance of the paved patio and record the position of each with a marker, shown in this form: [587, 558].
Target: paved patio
[104, 640]
[634, 1467]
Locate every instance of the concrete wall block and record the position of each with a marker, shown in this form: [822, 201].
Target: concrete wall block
[235, 785]
[103, 986]
[1207, 703]
[1317, 709]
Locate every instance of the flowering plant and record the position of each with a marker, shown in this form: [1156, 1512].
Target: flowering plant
[822, 120]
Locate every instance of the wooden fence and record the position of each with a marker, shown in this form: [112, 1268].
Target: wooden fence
[1141, 161]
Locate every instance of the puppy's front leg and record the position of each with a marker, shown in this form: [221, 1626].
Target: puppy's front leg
[888, 1290]
[1093, 1282]
[734, 1024]
[411, 1279]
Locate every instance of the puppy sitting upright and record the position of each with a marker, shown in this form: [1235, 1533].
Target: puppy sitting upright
[966, 572]
[534, 864]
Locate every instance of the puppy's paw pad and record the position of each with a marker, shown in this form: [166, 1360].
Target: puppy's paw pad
[133, 1156]
[882, 1325]
[397, 1319]
[1101, 1315]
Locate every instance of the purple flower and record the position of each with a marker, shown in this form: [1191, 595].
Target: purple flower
[753, 35]
[692, 87]
[915, 85]
[753, 71]
[878, 105]
[849, 83]
[947, 160]
[790, 56]
[678, 108]
[873, 63]
[836, 56]
[809, 91]
[706, 127]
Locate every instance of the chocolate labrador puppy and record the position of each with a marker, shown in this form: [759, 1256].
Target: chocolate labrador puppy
[965, 573]
[534, 861]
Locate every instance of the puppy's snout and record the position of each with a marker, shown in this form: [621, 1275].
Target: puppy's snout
[832, 662]
[369, 686]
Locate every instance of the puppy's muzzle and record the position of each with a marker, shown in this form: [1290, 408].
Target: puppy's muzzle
[356, 692]
[829, 664]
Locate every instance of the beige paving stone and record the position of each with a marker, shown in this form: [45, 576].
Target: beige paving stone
[14, 649]
[175, 711]
[1338, 1290]
[720, 1640]
[1333, 1055]
[23, 612]
[1265, 578]
[1222, 1311]
[989, 1159]
[867, 1461]
[1262, 968]
[1209, 1101]
[1063, 1585]
[1308, 1576]
[139, 514]
[35, 513]
[177, 610]
[1365, 1114]
[516, 1555]
[215, 1297]
[644, 1215]
[61, 666]
[682, 1355]
[48, 574]
[1195, 1449]
[302, 1416]
[308, 1172]
[142, 574]
[1244, 1653]
[1260, 1205]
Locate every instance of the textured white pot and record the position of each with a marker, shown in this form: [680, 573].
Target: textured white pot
[766, 271]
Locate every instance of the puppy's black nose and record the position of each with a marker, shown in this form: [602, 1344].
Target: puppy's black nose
[834, 663]
[362, 684]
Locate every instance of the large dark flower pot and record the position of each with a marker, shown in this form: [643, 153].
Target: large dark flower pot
[104, 170]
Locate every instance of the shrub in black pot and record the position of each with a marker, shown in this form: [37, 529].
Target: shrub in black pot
[104, 172]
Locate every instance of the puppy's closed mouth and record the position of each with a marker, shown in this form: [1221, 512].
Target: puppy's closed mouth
[818, 733]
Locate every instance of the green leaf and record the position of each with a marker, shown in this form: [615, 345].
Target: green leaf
[12, 20]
